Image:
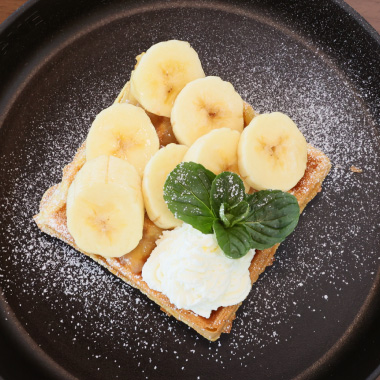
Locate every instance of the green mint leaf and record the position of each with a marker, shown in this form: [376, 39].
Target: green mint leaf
[233, 215]
[187, 194]
[239, 212]
[235, 242]
[226, 188]
[224, 217]
[273, 216]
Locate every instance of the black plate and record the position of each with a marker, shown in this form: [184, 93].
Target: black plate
[313, 314]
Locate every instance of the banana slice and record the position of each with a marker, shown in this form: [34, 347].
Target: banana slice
[161, 74]
[126, 96]
[105, 210]
[203, 105]
[217, 151]
[272, 152]
[155, 174]
[123, 131]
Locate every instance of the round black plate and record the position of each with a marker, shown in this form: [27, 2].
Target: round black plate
[313, 313]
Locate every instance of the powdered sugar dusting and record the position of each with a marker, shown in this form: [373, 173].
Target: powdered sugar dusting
[330, 256]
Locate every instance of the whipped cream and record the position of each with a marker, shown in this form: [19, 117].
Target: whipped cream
[192, 271]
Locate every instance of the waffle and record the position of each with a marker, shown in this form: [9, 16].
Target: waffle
[52, 220]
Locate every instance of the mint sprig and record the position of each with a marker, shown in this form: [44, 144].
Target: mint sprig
[219, 205]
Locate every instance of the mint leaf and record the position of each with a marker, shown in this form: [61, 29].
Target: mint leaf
[273, 216]
[226, 188]
[239, 212]
[225, 218]
[232, 215]
[235, 241]
[187, 194]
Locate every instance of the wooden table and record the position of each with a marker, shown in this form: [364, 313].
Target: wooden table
[369, 9]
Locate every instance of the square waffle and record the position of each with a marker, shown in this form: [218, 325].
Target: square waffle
[52, 220]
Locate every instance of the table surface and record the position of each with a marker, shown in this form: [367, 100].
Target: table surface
[369, 9]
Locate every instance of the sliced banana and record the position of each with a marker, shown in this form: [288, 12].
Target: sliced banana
[203, 105]
[217, 151]
[155, 174]
[126, 96]
[161, 74]
[272, 152]
[123, 131]
[105, 210]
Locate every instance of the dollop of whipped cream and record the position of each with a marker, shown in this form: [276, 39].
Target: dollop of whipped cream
[190, 268]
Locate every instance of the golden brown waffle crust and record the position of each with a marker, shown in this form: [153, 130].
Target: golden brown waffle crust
[52, 220]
